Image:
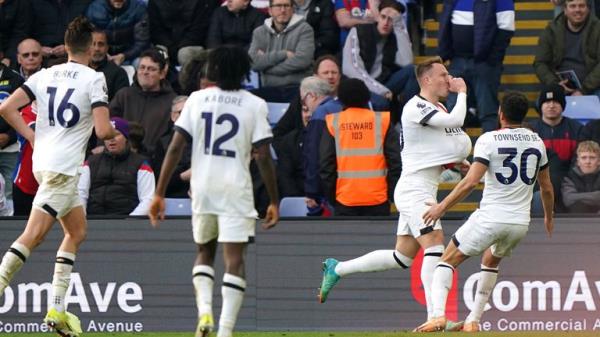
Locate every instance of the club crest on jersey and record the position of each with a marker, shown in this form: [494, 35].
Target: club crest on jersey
[420, 105]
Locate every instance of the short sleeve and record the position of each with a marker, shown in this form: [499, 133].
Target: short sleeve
[482, 153]
[262, 129]
[544, 159]
[31, 85]
[184, 122]
[99, 91]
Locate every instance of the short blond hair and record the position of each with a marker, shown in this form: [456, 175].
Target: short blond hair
[588, 146]
[426, 65]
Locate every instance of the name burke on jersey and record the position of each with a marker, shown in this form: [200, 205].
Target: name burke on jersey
[223, 99]
[72, 74]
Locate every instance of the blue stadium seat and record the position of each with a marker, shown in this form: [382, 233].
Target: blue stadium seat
[582, 108]
[276, 111]
[176, 206]
[292, 206]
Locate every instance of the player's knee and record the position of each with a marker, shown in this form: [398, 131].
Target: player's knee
[77, 236]
[235, 265]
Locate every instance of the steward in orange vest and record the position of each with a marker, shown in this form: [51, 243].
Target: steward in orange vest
[359, 155]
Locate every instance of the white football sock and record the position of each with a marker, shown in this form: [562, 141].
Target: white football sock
[485, 285]
[61, 279]
[233, 294]
[431, 257]
[12, 262]
[203, 279]
[440, 286]
[378, 260]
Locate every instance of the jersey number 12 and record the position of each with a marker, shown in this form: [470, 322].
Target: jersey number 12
[216, 149]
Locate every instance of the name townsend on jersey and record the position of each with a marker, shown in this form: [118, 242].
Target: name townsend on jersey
[516, 137]
[226, 99]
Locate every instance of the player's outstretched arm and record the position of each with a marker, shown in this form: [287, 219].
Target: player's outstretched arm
[102, 125]
[267, 172]
[547, 194]
[156, 212]
[9, 110]
[460, 191]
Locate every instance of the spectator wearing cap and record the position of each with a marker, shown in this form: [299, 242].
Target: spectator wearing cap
[559, 133]
[148, 100]
[117, 181]
[359, 151]
[380, 54]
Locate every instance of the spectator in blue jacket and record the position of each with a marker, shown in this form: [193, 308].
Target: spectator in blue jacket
[474, 36]
[126, 25]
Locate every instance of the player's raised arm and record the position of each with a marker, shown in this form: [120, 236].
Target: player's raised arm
[267, 172]
[102, 125]
[9, 110]
[460, 191]
[547, 194]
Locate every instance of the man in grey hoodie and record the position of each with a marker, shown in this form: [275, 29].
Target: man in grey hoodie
[282, 49]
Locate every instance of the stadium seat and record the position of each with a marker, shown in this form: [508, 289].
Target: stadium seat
[176, 206]
[130, 70]
[292, 206]
[276, 110]
[582, 108]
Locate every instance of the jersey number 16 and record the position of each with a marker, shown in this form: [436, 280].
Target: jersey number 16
[62, 107]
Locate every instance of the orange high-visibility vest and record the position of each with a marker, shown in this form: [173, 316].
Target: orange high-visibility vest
[359, 135]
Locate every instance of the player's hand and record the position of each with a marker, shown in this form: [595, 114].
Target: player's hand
[549, 223]
[457, 85]
[271, 217]
[156, 212]
[434, 212]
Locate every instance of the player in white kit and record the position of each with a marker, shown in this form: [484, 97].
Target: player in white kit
[71, 100]
[226, 125]
[511, 159]
[432, 138]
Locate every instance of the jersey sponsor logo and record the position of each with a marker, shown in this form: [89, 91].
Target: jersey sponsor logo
[426, 110]
[421, 105]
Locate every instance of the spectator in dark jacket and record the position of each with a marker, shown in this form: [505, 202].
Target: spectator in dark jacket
[15, 21]
[233, 24]
[9, 148]
[326, 67]
[581, 187]
[148, 100]
[570, 43]
[117, 181]
[476, 47]
[49, 23]
[319, 15]
[558, 132]
[116, 77]
[176, 24]
[177, 187]
[29, 57]
[126, 25]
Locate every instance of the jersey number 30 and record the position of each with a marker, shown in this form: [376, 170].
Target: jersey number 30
[520, 170]
[216, 149]
[62, 107]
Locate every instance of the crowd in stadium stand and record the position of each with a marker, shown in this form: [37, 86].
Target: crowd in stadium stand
[153, 51]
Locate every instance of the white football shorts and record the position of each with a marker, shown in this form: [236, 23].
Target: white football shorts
[475, 236]
[57, 194]
[207, 227]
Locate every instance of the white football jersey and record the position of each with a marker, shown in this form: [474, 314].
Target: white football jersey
[514, 158]
[65, 95]
[426, 145]
[223, 126]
